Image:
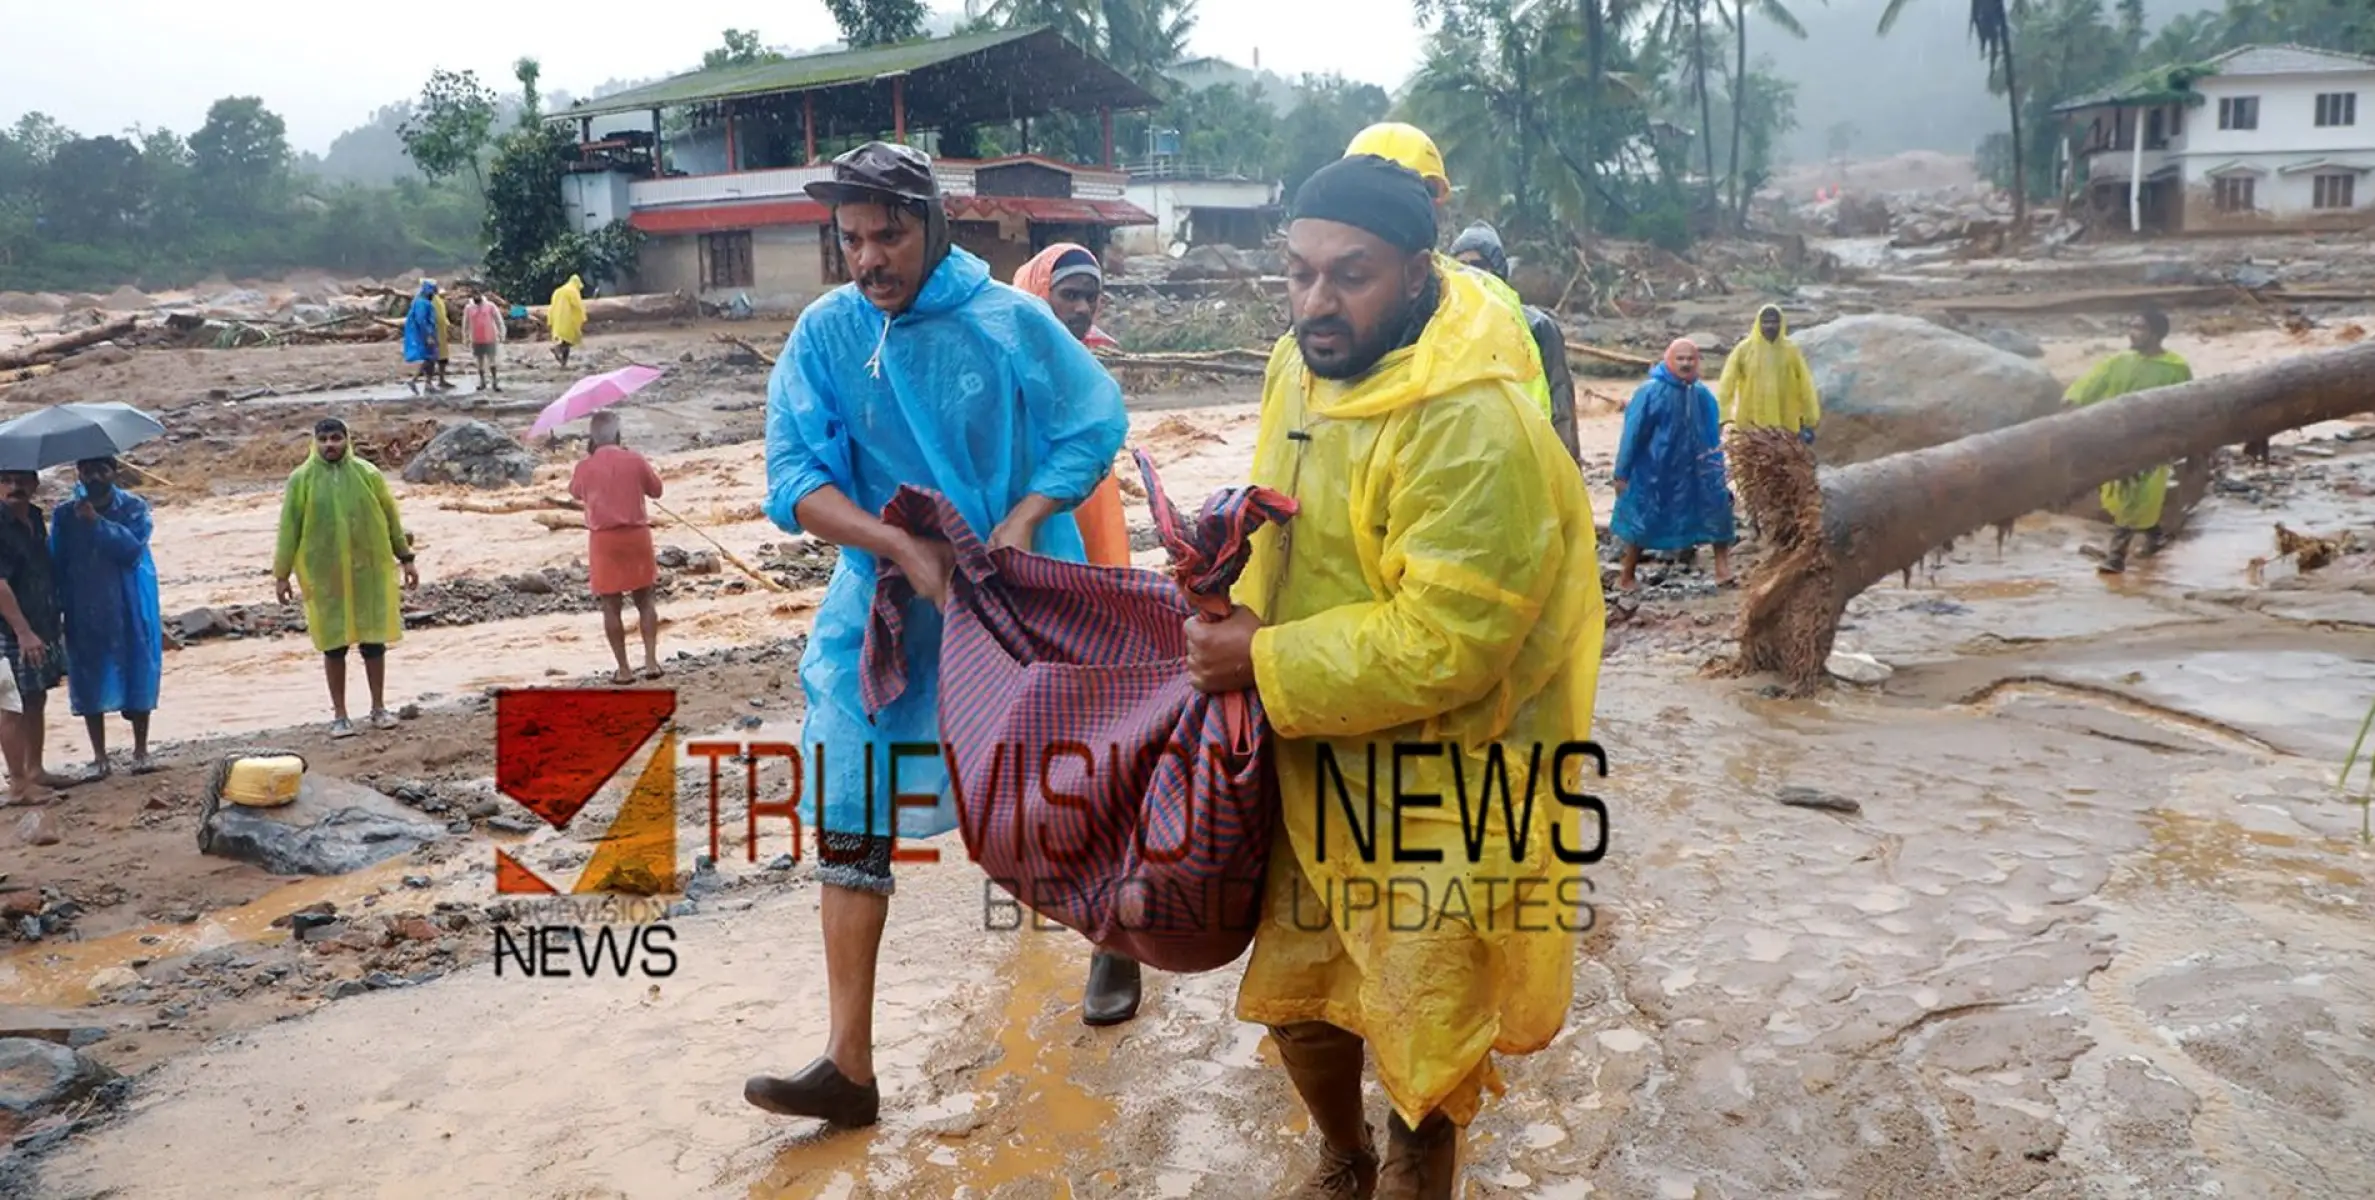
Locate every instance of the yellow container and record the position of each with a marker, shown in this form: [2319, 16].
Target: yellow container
[264, 782]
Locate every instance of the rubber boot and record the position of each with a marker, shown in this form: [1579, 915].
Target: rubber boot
[1421, 1164]
[1325, 1063]
[2153, 541]
[2116, 560]
[1113, 990]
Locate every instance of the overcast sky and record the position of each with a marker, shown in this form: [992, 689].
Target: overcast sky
[102, 67]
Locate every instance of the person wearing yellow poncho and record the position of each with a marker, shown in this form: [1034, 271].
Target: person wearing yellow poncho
[1434, 604]
[340, 535]
[1410, 146]
[2134, 503]
[1766, 383]
[568, 318]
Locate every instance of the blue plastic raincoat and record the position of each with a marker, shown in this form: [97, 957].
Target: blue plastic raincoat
[420, 326]
[107, 593]
[1671, 461]
[976, 392]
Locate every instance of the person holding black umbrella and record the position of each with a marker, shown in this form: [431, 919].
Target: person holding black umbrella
[29, 633]
[107, 595]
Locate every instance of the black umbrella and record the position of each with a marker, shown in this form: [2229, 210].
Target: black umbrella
[73, 432]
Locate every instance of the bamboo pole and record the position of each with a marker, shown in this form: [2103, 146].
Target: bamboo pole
[730, 556]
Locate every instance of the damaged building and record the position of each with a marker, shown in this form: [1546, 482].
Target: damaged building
[711, 165]
[2258, 138]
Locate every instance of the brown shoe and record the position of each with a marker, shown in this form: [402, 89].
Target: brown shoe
[1341, 1175]
[819, 1091]
[1423, 1164]
[1113, 990]
[1325, 1064]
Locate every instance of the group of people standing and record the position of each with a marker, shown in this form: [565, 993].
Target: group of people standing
[428, 332]
[1439, 583]
[78, 605]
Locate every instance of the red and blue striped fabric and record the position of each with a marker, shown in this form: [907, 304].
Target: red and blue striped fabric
[1091, 781]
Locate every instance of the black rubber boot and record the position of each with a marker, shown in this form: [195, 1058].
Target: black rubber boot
[2116, 561]
[1113, 990]
[820, 1091]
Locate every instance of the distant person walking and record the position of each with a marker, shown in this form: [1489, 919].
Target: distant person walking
[1670, 492]
[420, 336]
[568, 318]
[1479, 249]
[107, 595]
[612, 482]
[29, 633]
[2134, 503]
[341, 536]
[483, 319]
[445, 339]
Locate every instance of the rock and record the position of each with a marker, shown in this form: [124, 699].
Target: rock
[1858, 668]
[703, 563]
[19, 904]
[511, 825]
[672, 557]
[38, 828]
[349, 987]
[1893, 383]
[2012, 341]
[98, 354]
[379, 981]
[473, 453]
[115, 979]
[203, 623]
[1861, 216]
[534, 584]
[331, 828]
[39, 1077]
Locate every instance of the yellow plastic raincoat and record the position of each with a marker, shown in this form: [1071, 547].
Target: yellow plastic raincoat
[2134, 502]
[1767, 383]
[340, 534]
[568, 315]
[1440, 585]
[445, 326]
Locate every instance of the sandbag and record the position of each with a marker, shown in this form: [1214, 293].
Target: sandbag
[1091, 780]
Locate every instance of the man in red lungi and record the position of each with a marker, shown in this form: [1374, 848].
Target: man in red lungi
[612, 482]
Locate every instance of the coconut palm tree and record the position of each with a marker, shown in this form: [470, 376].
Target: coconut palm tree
[1782, 18]
[1991, 23]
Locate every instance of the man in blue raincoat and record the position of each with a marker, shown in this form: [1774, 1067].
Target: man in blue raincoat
[421, 343]
[107, 593]
[1670, 492]
[921, 371]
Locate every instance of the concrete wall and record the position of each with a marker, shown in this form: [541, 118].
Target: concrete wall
[787, 268]
[595, 200]
[1170, 201]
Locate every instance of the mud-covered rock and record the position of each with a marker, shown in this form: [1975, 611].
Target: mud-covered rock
[38, 1077]
[1890, 384]
[473, 453]
[333, 827]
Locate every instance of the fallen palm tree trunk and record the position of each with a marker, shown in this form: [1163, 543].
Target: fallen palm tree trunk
[60, 347]
[1839, 532]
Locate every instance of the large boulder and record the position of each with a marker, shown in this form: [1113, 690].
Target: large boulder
[39, 1077]
[333, 827]
[473, 453]
[1890, 384]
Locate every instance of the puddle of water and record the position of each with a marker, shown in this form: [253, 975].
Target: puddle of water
[2311, 702]
[2226, 856]
[59, 974]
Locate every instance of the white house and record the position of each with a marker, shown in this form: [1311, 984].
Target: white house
[2260, 137]
[1195, 206]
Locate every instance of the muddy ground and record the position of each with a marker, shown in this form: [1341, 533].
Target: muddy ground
[2096, 924]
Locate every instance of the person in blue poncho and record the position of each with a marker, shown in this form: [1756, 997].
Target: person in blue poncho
[920, 371]
[1670, 492]
[421, 341]
[107, 593]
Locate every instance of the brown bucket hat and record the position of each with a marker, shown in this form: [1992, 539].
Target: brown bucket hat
[877, 172]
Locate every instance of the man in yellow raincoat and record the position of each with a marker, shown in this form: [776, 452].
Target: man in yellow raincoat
[1432, 609]
[340, 535]
[2134, 503]
[1766, 383]
[1410, 146]
[568, 318]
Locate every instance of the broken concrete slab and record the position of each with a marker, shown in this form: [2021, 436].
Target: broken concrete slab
[333, 827]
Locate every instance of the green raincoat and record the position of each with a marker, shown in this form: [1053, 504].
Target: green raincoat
[2134, 502]
[339, 532]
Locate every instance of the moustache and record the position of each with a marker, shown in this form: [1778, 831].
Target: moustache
[877, 279]
[1324, 325]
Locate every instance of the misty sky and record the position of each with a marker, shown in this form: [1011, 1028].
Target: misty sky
[102, 67]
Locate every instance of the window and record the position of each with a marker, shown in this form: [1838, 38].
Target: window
[2335, 191]
[725, 260]
[2235, 194]
[2239, 112]
[2156, 135]
[2337, 108]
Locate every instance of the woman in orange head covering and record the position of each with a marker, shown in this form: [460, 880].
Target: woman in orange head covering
[1066, 276]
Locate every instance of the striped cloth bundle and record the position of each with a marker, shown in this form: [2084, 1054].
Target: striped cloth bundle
[1091, 781]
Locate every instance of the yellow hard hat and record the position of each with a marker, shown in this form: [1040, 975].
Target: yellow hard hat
[1408, 145]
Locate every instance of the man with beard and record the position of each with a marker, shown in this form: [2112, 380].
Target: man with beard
[921, 372]
[1435, 589]
[2134, 503]
[29, 633]
[341, 537]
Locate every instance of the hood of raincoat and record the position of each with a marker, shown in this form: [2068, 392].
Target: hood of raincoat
[1483, 239]
[1756, 332]
[1470, 340]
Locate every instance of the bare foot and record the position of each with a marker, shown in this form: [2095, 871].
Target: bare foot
[1626, 583]
[622, 675]
[651, 671]
[51, 779]
[143, 765]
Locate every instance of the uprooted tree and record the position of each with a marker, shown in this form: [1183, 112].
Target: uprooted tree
[1835, 533]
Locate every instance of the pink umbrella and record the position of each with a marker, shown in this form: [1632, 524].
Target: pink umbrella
[593, 393]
